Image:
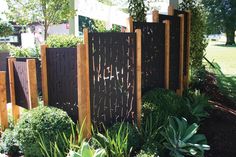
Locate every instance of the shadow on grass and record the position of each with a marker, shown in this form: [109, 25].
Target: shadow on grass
[223, 45]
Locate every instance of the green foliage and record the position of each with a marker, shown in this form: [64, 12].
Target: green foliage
[4, 47]
[162, 104]
[146, 154]
[115, 143]
[72, 143]
[46, 12]
[181, 139]
[9, 144]
[226, 84]
[198, 31]
[134, 137]
[137, 10]
[43, 121]
[86, 150]
[63, 41]
[6, 29]
[221, 17]
[196, 106]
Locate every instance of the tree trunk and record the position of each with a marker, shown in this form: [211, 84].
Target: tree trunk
[230, 35]
[45, 30]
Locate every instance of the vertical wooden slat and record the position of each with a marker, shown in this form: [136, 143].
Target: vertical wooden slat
[84, 86]
[44, 74]
[155, 15]
[181, 54]
[171, 10]
[32, 83]
[130, 27]
[3, 101]
[188, 49]
[167, 54]
[139, 75]
[15, 108]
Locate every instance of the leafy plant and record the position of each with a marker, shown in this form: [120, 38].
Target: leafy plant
[69, 143]
[198, 31]
[181, 138]
[62, 41]
[226, 84]
[6, 29]
[115, 143]
[9, 144]
[21, 52]
[146, 154]
[4, 47]
[197, 106]
[86, 150]
[137, 10]
[43, 121]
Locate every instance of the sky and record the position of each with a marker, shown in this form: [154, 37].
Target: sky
[3, 8]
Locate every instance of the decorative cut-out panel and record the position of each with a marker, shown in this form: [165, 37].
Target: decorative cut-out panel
[112, 67]
[62, 80]
[153, 54]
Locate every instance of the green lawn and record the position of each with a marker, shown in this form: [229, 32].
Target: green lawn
[225, 56]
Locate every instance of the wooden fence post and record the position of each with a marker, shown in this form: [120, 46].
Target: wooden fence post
[15, 108]
[139, 75]
[155, 16]
[181, 54]
[84, 86]
[3, 101]
[188, 50]
[44, 74]
[130, 26]
[167, 54]
[32, 83]
[170, 10]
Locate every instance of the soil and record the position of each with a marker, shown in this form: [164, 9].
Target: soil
[220, 130]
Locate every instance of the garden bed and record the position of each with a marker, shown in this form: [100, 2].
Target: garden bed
[220, 130]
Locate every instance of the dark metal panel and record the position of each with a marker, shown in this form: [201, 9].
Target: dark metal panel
[174, 49]
[62, 80]
[112, 60]
[153, 54]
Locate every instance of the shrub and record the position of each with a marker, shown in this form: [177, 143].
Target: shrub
[9, 144]
[63, 41]
[161, 104]
[198, 31]
[146, 154]
[181, 139]
[4, 47]
[43, 121]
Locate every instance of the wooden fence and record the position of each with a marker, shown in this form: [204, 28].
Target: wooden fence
[101, 81]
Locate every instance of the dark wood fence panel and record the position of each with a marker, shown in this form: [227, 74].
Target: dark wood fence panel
[112, 60]
[174, 49]
[21, 84]
[62, 80]
[153, 54]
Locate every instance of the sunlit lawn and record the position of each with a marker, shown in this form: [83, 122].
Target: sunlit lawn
[225, 56]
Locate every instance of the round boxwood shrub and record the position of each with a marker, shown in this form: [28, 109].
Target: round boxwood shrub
[45, 122]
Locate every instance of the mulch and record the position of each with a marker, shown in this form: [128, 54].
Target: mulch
[220, 130]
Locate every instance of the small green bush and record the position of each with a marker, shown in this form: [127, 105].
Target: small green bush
[4, 47]
[46, 122]
[9, 144]
[6, 29]
[63, 41]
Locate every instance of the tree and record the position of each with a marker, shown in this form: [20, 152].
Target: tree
[137, 10]
[45, 12]
[222, 17]
[6, 29]
[198, 31]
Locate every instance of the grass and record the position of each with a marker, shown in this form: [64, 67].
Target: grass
[225, 56]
